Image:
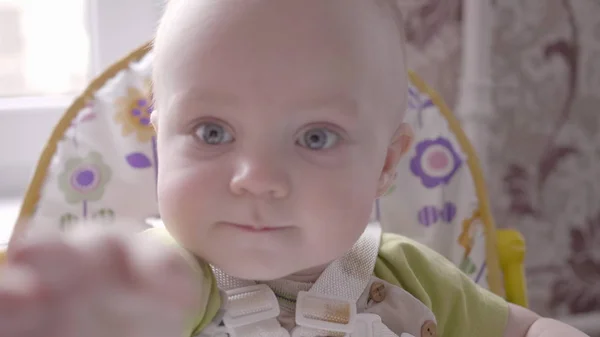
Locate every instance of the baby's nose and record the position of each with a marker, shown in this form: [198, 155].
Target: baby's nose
[261, 177]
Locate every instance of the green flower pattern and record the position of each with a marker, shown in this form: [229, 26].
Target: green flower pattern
[84, 178]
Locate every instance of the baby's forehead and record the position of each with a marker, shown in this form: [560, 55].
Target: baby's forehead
[279, 45]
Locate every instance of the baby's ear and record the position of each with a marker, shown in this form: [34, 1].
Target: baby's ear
[405, 138]
[400, 144]
[154, 120]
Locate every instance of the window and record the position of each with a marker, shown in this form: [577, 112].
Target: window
[49, 51]
[45, 47]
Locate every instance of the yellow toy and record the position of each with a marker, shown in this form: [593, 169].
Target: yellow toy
[100, 163]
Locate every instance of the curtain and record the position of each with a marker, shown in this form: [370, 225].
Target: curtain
[524, 79]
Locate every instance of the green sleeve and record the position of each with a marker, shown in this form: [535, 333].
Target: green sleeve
[461, 307]
[205, 280]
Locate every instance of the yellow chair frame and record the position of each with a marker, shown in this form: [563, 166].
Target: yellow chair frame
[505, 249]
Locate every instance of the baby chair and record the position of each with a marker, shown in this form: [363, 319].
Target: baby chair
[100, 163]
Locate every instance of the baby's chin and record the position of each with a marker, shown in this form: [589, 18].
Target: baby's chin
[265, 270]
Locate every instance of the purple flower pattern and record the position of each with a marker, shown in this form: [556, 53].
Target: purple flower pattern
[430, 215]
[435, 162]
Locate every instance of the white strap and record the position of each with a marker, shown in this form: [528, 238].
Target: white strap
[249, 305]
[226, 282]
[328, 307]
[251, 309]
[349, 276]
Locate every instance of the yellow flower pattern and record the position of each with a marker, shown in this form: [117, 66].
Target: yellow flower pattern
[134, 111]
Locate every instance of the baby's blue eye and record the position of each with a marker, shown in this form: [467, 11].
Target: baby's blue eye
[318, 139]
[213, 134]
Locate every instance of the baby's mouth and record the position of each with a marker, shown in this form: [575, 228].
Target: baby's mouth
[254, 228]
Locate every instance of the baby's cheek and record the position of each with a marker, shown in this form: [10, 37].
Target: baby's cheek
[353, 195]
[342, 208]
[181, 197]
[334, 227]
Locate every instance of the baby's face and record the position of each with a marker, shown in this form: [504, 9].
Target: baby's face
[275, 122]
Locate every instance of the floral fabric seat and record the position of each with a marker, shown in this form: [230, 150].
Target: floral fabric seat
[101, 164]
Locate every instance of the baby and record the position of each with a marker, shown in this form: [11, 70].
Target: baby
[279, 122]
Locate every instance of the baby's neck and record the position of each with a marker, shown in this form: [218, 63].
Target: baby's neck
[308, 275]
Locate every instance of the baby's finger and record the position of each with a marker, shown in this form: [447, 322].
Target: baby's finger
[165, 271]
[108, 256]
[21, 303]
[55, 263]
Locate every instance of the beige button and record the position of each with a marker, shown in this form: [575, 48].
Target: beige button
[377, 292]
[429, 329]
